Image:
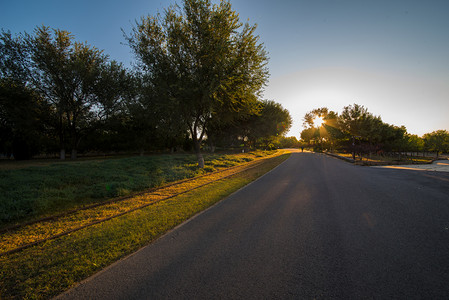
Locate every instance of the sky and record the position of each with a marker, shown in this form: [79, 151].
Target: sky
[390, 56]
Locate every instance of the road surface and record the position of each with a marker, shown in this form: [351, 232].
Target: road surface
[313, 228]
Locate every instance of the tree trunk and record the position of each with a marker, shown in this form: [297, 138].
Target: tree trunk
[353, 148]
[199, 156]
[200, 159]
[61, 139]
[74, 154]
[197, 142]
[75, 139]
[61, 147]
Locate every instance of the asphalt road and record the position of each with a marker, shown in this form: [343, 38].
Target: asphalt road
[314, 227]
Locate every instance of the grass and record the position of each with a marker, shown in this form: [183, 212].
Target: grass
[46, 270]
[36, 190]
[387, 160]
[35, 232]
[393, 160]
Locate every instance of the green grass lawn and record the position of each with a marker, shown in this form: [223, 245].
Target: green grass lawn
[29, 192]
[48, 269]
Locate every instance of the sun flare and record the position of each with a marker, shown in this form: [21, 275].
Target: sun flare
[318, 121]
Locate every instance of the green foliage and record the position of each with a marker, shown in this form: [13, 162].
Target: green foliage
[21, 107]
[71, 84]
[206, 65]
[262, 129]
[324, 136]
[353, 118]
[67, 74]
[415, 143]
[21, 115]
[356, 130]
[200, 75]
[14, 58]
[437, 141]
[287, 142]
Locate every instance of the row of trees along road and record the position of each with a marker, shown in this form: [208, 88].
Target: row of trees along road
[198, 76]
[358, 131]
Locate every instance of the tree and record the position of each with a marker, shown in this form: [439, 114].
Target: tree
[152, 123]
[288, 142]
[356, 122]
[355, 129]
[321, 127]
[200, 58]
[414, 143]
[14, 58]
[308, 135]
[115, 89]
[112, 85]
[352, 119]
[21, 108]
[394, 138]
[263, 128]
[437, 141]
[66, 74]
[21, 125]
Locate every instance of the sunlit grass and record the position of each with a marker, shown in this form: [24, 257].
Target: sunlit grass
[36, 191]
[48, 269]
[387, 159]
[31, 233]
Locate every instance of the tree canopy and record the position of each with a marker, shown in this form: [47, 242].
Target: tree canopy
[198, 77]
[357, 130]
[204, 61]
[197, 83]
[437, 141]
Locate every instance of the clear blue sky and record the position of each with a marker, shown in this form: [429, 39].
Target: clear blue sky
[390, 56]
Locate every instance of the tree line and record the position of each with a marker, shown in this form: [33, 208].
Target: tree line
[198, 78]
[358, 131]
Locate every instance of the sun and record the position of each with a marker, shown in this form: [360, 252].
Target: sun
[318, 121]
